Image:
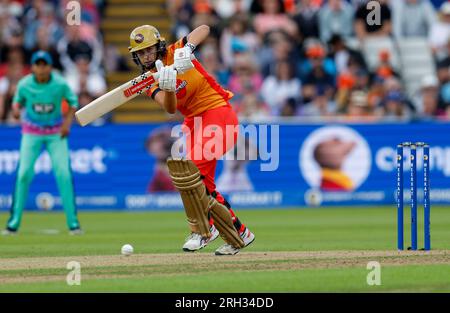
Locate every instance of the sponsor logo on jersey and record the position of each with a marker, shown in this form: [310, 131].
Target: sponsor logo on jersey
[181, 88]
[43, 108]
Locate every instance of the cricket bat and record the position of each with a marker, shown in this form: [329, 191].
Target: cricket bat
[115, 98]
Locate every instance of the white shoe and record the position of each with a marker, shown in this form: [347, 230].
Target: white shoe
[247, 236]
[196, 242]
[226, 249]
[9, 232]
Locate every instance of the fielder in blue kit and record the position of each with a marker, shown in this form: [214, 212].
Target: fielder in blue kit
[38, 102]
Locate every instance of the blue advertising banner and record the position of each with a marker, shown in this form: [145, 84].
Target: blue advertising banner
[123, 167]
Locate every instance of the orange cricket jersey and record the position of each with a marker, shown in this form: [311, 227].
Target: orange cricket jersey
[197, 91]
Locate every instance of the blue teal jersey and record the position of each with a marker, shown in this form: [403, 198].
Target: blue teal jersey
[42, 103]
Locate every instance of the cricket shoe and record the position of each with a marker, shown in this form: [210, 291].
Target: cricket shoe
[9, 232]
[76, 232]
[247, 236]
[195, 241]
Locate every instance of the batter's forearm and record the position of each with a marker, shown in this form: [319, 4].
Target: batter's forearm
[198, 35]
[170, 102]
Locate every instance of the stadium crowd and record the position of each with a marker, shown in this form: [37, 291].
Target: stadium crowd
[299, 58]
[279, 57]
[77, 50]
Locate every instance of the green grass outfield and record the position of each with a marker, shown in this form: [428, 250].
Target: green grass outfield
[296, 250]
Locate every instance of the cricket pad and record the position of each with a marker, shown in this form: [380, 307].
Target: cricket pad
[197, 203]
[224, 223]
[187, 179]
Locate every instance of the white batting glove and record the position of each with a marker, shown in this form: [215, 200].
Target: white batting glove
[167, 77]
[182, 59]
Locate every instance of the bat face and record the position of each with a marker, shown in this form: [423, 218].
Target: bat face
[115, 98]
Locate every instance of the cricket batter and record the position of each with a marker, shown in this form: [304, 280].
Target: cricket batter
[37, 103]
[204, 103]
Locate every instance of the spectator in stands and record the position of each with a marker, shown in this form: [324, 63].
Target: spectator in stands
[237, 37]
[14, 45]
[443, 72]
[114, 61]
[336, 17]
[276, 89]
[376, 92]
[364, 28]
[358, 107]
[47, 20]
[210, 59]
[43, 43]
[277, 47]
[84, 98]
[444, 97]
[315, 52]
[252, 107]
[8, 25]
[289, 108]
[320, 106]
[392, 84]
[440, 32]
[8, 85]
[84, 79]
[345, 84]
[205, 15]
[443, 57]
[245, 77]
[14, 7]
[227, 9]
[90, 13]
[318, 76]
[385, 69]
[307, 20]
[33, 11]
[355, 77]
[412, 18]
[73, 45]
[427, 101]
[181, 12]
[394, 106]
[245, 83]
[443, 75]
[14, 56]
[272, 17]
[362, 81]
[343, 56]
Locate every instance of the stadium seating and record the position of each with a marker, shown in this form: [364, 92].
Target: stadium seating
[417, 62]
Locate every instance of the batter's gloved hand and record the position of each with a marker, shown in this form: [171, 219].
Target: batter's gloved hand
[182, 59]
[167, 76]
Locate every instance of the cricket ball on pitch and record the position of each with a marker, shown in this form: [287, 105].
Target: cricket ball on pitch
[127, 249]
